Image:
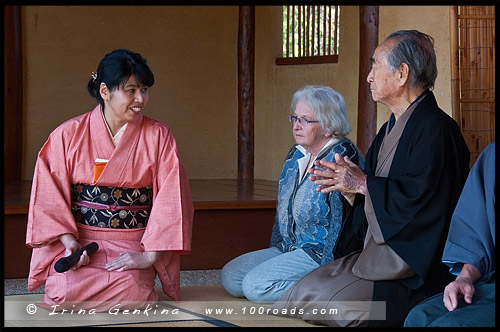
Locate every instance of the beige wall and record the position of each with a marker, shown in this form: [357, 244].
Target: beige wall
[434, 21]
[193, 52]
[275, 86]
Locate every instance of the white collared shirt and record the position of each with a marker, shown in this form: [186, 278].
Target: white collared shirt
[303, 162]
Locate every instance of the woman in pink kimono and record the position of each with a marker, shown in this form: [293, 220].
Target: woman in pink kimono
[114, 177]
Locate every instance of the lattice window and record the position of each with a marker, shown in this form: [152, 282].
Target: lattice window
[310, 35]
[476, 73]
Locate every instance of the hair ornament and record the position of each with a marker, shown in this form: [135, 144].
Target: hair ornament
[94, 76]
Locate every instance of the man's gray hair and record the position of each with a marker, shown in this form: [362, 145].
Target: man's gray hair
[416, 49]
[328, 105]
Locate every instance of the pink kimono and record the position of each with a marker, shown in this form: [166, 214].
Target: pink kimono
[145, 156]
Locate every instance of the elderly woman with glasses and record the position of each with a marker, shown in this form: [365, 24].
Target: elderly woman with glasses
[311, 228]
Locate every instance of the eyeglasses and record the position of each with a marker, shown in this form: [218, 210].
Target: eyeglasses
[302, 121]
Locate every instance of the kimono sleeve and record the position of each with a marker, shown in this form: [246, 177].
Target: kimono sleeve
[471, 239]
[50, 209]
[50, 202]
[170, 223]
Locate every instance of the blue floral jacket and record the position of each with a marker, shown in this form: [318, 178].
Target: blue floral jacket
[319, 220]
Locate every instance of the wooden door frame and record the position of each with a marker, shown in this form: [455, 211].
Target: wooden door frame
[13, 93]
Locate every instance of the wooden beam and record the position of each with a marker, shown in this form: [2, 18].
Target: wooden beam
[367, 108]
[13, 93]
[454, 58]
[246, 64]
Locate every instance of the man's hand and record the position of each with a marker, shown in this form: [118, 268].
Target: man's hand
[343, 176]
[463, 286]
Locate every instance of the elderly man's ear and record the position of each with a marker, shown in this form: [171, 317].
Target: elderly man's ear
[404, 73]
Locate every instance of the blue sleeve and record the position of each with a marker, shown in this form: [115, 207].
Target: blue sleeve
[471, 238]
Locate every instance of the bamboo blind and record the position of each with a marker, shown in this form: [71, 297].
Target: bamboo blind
[310, 34]
[476, 76]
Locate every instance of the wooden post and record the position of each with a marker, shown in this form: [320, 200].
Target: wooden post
[246, 64]
[455, 79]
[13, 93]
[367, 108]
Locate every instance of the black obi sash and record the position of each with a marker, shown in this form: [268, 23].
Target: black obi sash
[111, 207]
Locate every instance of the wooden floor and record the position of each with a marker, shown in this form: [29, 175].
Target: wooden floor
[231, 217]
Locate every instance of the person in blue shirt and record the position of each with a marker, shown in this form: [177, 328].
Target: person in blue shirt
[468, 301]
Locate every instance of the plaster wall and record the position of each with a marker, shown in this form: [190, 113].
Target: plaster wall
[192, 51]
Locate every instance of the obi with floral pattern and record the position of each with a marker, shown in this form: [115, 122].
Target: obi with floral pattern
[111, 207]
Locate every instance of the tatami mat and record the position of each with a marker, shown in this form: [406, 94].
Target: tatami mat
[200, 306]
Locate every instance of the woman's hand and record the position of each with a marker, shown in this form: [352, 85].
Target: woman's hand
[133, 260]
[71, 245]
[343, 176]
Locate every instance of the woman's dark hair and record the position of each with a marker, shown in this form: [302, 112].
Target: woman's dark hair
[116, 68]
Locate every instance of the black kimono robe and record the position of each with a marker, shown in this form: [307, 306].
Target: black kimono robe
[414, 204]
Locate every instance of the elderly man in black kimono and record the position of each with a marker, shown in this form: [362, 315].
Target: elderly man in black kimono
[404, 199]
